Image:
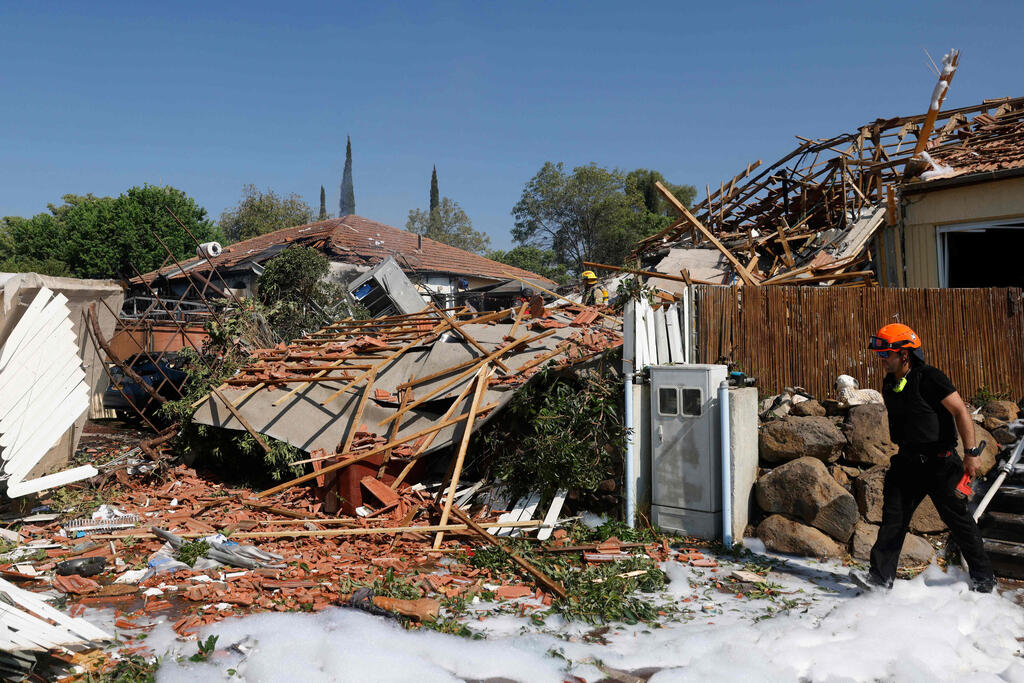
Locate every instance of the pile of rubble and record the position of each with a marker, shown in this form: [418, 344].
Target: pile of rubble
[819, 490]
[376, 527]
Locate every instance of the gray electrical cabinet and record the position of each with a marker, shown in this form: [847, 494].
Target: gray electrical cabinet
[686, 461]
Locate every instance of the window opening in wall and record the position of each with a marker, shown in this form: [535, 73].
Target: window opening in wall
[981, 254]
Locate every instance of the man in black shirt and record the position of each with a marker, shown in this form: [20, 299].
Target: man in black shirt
[925, 412]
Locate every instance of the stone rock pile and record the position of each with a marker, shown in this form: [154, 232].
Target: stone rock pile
[819, 490]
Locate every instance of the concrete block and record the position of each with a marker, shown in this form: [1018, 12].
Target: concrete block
[743, 440]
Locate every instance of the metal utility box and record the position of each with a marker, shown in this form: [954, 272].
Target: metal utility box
[686, 469]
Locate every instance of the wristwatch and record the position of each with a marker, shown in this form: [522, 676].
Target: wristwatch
[976, 451]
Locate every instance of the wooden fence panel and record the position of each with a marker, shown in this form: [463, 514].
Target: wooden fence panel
[807, 336]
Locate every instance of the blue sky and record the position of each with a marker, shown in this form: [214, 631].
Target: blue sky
[97, 97]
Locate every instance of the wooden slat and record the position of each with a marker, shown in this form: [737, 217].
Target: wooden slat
[975, 336]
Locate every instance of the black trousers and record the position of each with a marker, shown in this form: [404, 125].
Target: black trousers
[910, 478]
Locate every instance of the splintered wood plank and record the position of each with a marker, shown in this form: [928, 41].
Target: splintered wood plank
[467, 432]
[430, 439]
[740, 270]
[552, 516]
[436, 427]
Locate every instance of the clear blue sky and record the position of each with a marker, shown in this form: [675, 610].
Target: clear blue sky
[100, 96]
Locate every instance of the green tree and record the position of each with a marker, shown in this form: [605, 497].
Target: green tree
[534, 259]
[435, 197]
[261, 212]
[590, 214]
[32, 245]
[642, 182]
[323, 205]
[104, 237]
[300, 299]
[347, 200]
[448, 224]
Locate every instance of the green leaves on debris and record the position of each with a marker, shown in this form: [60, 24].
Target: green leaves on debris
[393, 586]
[596, 594]
[192, 551]
[604, 593]
[561, 432]
[128, 669]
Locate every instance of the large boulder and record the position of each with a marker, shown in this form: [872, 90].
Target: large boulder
[808, 408]
[867, 489]
[1006, 411]
[992, 423]
[926, 518]
[867, 435]
[784, 535]
[916, 550]
[806, 490]
[796, 437]
[1004, 436]
[988, 456]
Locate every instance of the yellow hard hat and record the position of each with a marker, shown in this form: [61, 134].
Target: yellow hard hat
[588, 275]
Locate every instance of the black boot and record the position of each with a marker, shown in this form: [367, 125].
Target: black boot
[869, 581]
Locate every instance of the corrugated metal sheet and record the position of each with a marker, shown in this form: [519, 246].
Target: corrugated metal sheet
[42, 392]
[805, 336]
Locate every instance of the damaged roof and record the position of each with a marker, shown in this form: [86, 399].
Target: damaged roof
[808, 218]
[357, 240]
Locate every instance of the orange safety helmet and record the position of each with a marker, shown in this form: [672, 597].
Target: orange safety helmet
[893, 337]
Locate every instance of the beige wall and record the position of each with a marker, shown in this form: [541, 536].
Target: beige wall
[924, 212]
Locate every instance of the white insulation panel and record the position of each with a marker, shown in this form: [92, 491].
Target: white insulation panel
[42, 393]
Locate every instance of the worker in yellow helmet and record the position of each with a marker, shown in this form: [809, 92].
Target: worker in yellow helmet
[593, 294]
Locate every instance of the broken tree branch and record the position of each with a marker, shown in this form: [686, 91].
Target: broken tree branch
[543, 578]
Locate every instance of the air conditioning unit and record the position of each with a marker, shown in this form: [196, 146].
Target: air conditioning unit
[385, 290]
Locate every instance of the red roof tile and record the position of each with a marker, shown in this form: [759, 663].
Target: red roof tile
[354, 239]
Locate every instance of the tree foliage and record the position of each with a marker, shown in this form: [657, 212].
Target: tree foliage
[534, 259]
[435, 196]
[448, 224]
[560, 432]
[103, 237]
[347, 200]
[591, 213]
[322, 216]
[258, 213]
[300, 299]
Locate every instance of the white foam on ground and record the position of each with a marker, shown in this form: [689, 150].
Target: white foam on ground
[928, 629]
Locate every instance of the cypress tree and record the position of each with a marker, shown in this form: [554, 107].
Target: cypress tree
[347, 201]
[435, 197]
[323, 205]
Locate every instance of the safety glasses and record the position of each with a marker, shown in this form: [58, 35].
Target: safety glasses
[879, 344]
[883, 354]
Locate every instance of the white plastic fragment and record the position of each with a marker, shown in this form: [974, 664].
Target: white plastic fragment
[938, 170]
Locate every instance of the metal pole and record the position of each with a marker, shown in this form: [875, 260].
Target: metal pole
[723, 406]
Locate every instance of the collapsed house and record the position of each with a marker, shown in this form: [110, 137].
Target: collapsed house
[911, 201]
[374, 397]
[353, 245]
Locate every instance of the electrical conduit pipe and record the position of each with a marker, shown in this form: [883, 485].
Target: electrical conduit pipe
[723, 406]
